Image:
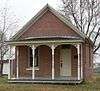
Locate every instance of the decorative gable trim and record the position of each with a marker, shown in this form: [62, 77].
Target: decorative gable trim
[40, 14]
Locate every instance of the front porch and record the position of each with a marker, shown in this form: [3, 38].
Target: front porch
[44, 80]
[47, 63]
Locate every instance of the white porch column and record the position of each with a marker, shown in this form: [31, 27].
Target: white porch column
[9, 74]
[11, 61]
[52, 47]
[81, 62]
[33, 53]
[78, 68]
[17, 69]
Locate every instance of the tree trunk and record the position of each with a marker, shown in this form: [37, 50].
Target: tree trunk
[1, 69]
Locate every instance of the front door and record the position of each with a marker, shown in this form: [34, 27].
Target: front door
[65, 62]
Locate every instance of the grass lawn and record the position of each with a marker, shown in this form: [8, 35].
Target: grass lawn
[93, 86]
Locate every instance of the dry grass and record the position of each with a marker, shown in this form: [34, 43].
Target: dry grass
[93, 86]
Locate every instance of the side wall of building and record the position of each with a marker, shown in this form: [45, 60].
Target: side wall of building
[87, 61]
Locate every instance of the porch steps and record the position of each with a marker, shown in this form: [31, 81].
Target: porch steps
[46, 81]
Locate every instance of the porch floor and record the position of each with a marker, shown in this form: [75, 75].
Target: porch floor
[45, 80]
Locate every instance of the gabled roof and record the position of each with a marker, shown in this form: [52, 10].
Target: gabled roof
[39, 14]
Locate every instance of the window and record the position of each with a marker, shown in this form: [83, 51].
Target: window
[31, 58]
[35, 58]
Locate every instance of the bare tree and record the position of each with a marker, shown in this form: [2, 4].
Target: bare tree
[85, 15]
[7, 23]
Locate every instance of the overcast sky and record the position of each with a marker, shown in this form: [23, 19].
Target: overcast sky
[26, 9]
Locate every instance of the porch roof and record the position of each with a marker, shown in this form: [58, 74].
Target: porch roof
[45, 40]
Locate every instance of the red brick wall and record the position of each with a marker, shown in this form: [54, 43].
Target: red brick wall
[23, 61]
[13, 68]
[44, 62]
[87, 61]
[57, 61]
[48, 25]
[74, 61]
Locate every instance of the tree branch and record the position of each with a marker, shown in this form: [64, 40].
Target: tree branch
[96, 48]
[92, 30]
[96, 36]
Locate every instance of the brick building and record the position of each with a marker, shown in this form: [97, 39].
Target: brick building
[50, 49]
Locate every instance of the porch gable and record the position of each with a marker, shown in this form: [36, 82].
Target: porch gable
[48, 23]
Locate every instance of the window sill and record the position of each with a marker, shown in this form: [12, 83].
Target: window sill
[30, 68]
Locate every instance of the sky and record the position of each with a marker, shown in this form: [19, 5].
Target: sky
[24, 10]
